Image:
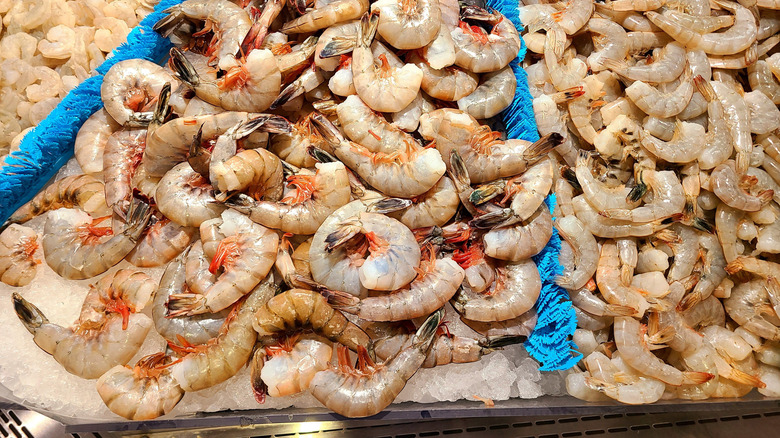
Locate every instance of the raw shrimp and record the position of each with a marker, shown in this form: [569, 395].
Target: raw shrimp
[160, 243]
[493, 95]
[601, 196]
[655, 103]
[718, 142]
[252, 85]
[293, 147]
[486, 157]
[143, 392]
[74, 246]
[764, 115]
[761, 78]
[91, 140]
[750, 307]
[229, 22]
[203, 366]
[518, 242]
[625, 387]
[633, 349]
[644, 41]
[366, 391]
[449, 83]
[584, 299]
[713, 273]
[610, 38]
[685, 146]
[409, 24]
[326, 16]
[196, 329]
[299, 308]
[611, 228]
[122, 154]
[610, 285]
[408, 119]
[586, 253]
[187, 198]
[81, 191]
[737, 119]
[316, 198]
[92, 347]
[129, 86]
[513, 295]
[433, 208]
[17, 248]
[311, 78]
[735, 39]
[384, 88]
[406, 172]
[245, 253]
[567, 73]
[574, 15]
[337, 39]
[479, 52]
[700, 24]
[370, 129]
[668, 199]
[435, 284]
[523, 325]
[726, 185]
[289, 369]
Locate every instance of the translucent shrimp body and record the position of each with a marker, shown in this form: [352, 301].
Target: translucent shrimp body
[130, 84]
[369, 129]
[81, 191]
[746, 306]
[161, 242]
[17, 247]
[586, 253]
[479, 52]
[610, 285]
[409, 24]
[668, 199]
[492, 96]
[433, 208]
[521, 241]
[91, 140]
[187, 198]
[290, 372]
[685, 146]
[332, 13]
[122, 153]
[725, 185]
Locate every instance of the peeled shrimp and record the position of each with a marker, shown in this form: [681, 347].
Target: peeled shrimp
[586, 253]
[668, 199]
[725, 184]
[81, 191]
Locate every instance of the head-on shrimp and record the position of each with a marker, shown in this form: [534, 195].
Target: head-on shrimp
[82, 191]
[482, 52]
[17, 248]
[128, 88]
[75, 247]
[91, 140]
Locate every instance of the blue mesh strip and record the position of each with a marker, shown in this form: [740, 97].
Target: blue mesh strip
[50, 145]
[550, 342]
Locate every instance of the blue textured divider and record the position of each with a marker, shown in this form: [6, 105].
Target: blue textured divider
[47, 147]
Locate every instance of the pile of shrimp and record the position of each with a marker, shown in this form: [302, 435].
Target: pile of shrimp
[667, 190]
[318, 181]
[47, 47]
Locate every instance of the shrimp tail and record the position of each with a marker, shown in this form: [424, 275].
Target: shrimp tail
[199, 157]
[162, 110]
[471, 12]
[241, 202]
[368, 26]
[346, 231]
[389, 205]
[337, 46]
[138, 215]
[341, 300]
[321, 155]
[620, 310]
[745, 378]
[501, 341]
[266, 123]
[289, 93]
[614, 64]
[185, 304]
[703, 224]
[31, 316]
[540, 148]
[696, 377]
[184, 68]
[427, 331]
[704, 88]
[689, 301]
[166, 25]
[493, 219]
[486, 192]
[329, 131]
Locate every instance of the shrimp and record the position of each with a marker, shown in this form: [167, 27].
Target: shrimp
[187, 198]
[586, 253]
[708, 312]
[610, 284]
[601, 196]
[408, 24]
[436, 283]
[433, 208]
[486, 157]
[633, 349]
[370, 129]
[493, 95]
[568, 72]
[518, 242]
[700, 24]
[229, 22]
[727, 187]
[292, 147]
[574, 15]
[251, 85]
[584, 299]
[337, 39]
[161, 243]
[611, 228]
[288, 369]
[407, 172]
[611, 40]
[302, 213]
[750, 306]
[408, 119]
[718, 142]
[480, 52]
[514, 294]
[366, 391]
[220, 358]
[384, 88]
[760, 78]
[92, 346]
[668, 199]
[75, 247]
[686, 145]
[620, 383]
[733, 40]
[17, 248]
[326, 16]
[299, 308]
[764, 115]
[245, 254]
[449, 83]
[122, 154]
[523, 325]
[549, 119]
[129, 86]
[196, 329]
[91, 141]
[655, 103]
[82, 191]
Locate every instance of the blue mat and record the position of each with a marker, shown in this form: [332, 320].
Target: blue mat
[50, 145]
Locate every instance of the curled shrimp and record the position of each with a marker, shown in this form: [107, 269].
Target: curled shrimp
[369, 129]
[407, 172]
[611, 228]
[384, 88]
[612, 288]
[761, 78]
[129, 86]
[196, 329]
[408, 24]
[82, 191]
[251, 85]
[161, 242]
[514, 294]
[520, 241]
[187, 198]
[733, 40]
[686, 145]
[286, 369]
[436, 283]
[668, 199]
[220, 358]
[584, 299]
[611, 40]
[655, 103]
[366, 391]
[76, 248]
[293, 147]
[120, 159]
[338, 39]
[245, 254]
[298, 308]
[102, 337]
[316, 197]
[17, 248]
[433, 208]
[728, 188]
[598, 194]
[493, 95]
[229, 22]
[486, 157]
[91, 141]
[574, 15]
[450, 83]
[737, 118]
[621, 382]
[718, 142]
[482, 52]
[750, 306]
[586, 253]
[326, 16]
